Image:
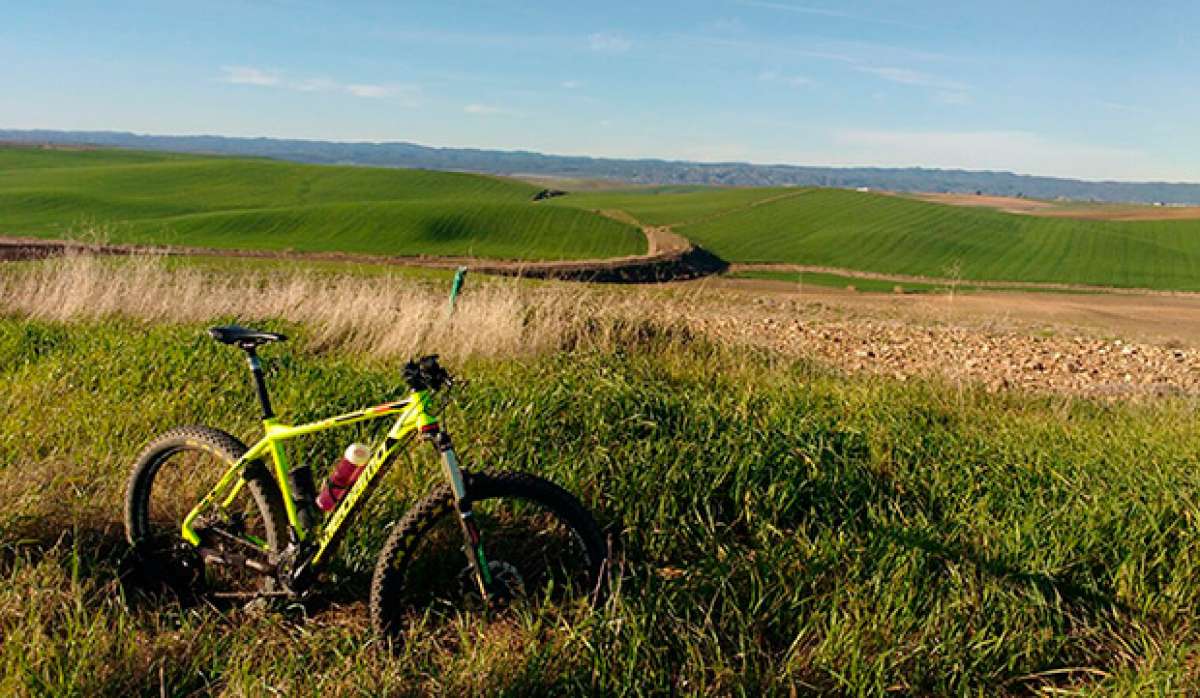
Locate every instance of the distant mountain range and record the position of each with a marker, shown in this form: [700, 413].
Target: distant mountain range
[503, 162]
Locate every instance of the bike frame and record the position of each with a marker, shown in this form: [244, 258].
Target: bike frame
[414, 417]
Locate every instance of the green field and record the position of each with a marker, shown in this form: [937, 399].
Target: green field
[673, 205]
[782, 529]
[873, 285]
[826, 280]
[237, 203]
[135, 197]
[894, 235]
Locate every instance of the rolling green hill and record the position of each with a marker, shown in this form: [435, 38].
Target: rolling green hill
[187, 200]
[238, 203]
[672, 205]
[894, 235]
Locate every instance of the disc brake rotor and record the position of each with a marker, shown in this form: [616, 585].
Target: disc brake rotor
[510, 584]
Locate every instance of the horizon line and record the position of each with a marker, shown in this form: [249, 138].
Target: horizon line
[679, 161]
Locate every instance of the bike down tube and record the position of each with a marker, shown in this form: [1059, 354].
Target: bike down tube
[408, 424]
[328, 536]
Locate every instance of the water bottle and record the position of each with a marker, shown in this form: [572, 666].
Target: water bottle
[344, 474]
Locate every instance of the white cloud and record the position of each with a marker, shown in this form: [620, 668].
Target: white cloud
[373, 91]
[313, 85]
[905, 76]
[725, 26]
[245, 75]
[1123, 107]
[953, 99]
[609, 43]
[1016, 151]
[823, 12]
[572, 84]
[488, 110]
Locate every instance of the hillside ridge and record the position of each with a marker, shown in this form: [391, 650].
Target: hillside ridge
[636, 171]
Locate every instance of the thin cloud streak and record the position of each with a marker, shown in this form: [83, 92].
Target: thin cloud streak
[373, 91]
[257, 77]
[1123, 107]
[609, 43]
[899, 75]
[759, 47]
[905, 76]
[488, 110]
[775, 76]
[245, 75]
[823, 12]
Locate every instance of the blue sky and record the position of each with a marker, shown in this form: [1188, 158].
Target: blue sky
[1098, 90]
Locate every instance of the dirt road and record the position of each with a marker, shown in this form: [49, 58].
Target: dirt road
[668, 257]
[1154, 317]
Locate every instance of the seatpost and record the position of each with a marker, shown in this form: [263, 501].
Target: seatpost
[260, 383]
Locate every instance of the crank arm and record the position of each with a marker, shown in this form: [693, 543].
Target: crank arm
[218, 557]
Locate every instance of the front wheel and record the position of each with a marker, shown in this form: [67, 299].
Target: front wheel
[540, 542]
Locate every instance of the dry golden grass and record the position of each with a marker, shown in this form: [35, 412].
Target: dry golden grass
[392, 316]
[384, 316]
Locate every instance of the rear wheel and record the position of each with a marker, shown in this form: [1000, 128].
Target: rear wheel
[170, 477]
[542, 546]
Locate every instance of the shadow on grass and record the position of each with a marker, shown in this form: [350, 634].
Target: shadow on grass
[93, 551]
[1051, 587]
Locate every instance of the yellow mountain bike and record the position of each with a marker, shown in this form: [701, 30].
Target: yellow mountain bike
[477, 540]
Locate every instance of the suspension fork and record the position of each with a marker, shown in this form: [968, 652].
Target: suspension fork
[472, 542]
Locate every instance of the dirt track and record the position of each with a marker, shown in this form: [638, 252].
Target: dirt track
[669, 257]
[1171, 319]
[1111, 347]
[1151, 316]
[902, 279]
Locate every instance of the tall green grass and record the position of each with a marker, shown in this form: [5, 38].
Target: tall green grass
[262, 204]
[781, 528]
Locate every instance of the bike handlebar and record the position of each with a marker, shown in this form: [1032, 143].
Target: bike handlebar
[426, 374]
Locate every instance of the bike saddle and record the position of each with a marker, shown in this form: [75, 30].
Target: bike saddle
[243, 337]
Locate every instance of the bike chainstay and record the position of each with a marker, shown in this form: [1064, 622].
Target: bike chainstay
[222, 553]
